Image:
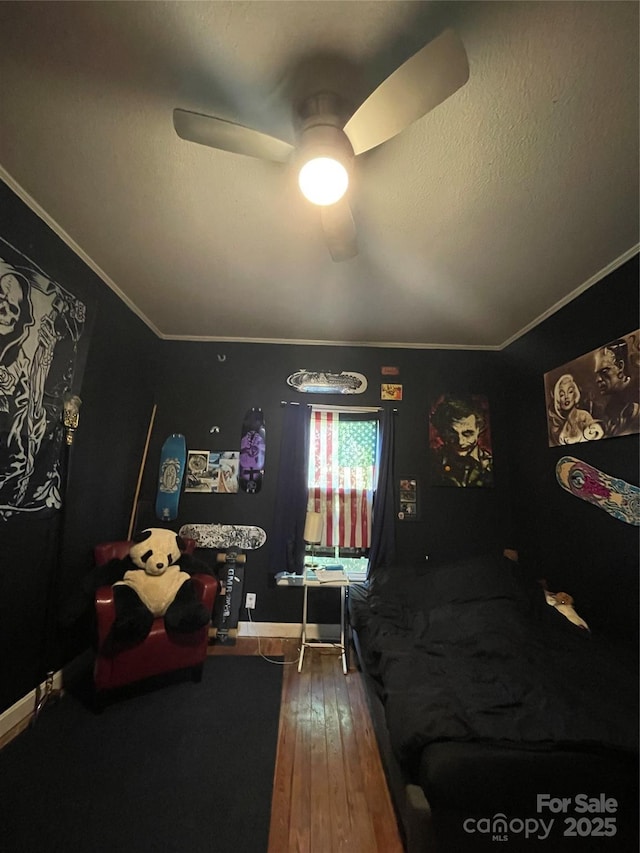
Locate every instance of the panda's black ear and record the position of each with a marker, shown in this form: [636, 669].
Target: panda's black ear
[181, 543]
[142, 535]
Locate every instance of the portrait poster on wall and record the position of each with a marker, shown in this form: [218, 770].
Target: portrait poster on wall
[460, 441]
[43, 346]
[210, 471]
[596, 395]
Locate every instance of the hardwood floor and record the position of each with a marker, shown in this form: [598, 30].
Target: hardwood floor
[329, 792]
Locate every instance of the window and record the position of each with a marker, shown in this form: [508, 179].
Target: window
[342, 477]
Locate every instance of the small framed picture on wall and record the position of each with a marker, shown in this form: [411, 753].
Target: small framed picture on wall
[408, 503]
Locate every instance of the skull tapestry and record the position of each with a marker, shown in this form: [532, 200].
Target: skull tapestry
[41, 325]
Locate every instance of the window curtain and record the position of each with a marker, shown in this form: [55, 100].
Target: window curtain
[383, 533]
[342, 474]
[286, 553]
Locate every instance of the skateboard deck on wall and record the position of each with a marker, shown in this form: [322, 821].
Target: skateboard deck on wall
[319, 382]
[617, 497]
[172, 463]
[243, 536]
[252, 451]
[226, 612]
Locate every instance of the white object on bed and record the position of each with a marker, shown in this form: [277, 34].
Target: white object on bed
[557, 600]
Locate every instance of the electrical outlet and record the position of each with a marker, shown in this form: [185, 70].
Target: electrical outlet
[250, 601]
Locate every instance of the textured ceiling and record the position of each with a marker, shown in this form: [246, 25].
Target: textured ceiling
[475, 222]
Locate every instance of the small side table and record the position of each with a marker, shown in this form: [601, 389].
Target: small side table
[343, 586]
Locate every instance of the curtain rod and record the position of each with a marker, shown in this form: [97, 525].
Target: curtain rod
[319, 407]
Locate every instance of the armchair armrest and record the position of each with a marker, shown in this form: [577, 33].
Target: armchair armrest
[105, 612]
[206, 586]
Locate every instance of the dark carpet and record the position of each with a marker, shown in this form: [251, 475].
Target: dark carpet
[175, 768]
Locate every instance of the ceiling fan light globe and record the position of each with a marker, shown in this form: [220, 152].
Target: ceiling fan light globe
[323, 180]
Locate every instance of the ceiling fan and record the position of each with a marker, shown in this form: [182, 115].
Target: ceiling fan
[330, 134]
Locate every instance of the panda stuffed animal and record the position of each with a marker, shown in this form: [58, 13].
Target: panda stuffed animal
[155, 580]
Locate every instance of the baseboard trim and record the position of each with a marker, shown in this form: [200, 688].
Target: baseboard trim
[22, 710]
[288, 629]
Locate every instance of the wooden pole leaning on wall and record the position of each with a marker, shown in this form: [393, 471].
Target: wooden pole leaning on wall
[141, 472]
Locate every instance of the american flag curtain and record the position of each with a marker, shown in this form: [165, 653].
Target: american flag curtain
[342, 472]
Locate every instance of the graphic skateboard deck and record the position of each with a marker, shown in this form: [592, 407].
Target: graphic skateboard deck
[172, 463]
[319, 382]
[226, 612]
[224, 535]
[617, 497]
[252, 451]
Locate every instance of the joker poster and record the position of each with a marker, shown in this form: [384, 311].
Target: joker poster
[460, 441]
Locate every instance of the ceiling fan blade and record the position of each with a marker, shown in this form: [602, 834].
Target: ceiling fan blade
[421, 83]
[229, 136]
[340, 230]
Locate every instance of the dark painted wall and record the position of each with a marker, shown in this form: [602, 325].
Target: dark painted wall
[576, 546]
[207, 384]
[104, 466]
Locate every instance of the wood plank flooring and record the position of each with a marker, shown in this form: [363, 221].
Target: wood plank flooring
[329, 791]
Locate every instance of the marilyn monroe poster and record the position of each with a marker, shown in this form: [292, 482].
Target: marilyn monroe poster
[596, 395]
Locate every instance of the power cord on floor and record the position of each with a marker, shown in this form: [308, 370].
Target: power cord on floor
[268, 659]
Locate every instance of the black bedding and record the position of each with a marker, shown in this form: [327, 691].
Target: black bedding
[479, 675]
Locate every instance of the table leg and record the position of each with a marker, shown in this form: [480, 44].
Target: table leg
[303, 639]
[343, 611]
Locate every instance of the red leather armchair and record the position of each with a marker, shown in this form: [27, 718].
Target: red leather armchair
[160, 652]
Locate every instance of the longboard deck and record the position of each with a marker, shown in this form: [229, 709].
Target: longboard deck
[617, 497]
[243, 536]
[172, 464]
[227, 609]
[319, 382]
[252, 451]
